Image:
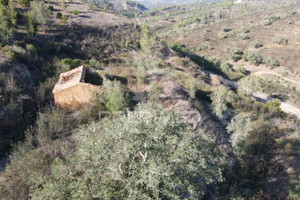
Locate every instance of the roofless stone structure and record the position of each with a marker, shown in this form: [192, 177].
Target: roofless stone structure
[72, 89]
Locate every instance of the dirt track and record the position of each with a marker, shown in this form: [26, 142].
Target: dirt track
[285, 107]
[260, 73]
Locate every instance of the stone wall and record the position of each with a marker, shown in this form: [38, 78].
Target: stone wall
[75, 96]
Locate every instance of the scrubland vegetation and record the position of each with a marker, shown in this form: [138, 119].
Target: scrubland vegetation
[189, 105]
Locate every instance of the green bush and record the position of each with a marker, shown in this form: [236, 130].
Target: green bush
[75, 12]
[8, 18]
[142, 67]
[114, 96]
[63, 5]
[25, 3]
[245, 30]
[222, 35]
[66, 61]
[147, 41]
[243, 36]
[75, 63]
[72, 64]
[186, 22]
[121, 159]
[40, 13]
[281, 41]
[269, 20]
[253, 57]
[256, 44]
[294, 189]
[271, 62]
[239, 126]
[251, 84]
[10, 54]
[266, 22]
[204, 46]
[273, 107]
[4, 2]
[225, 29]
[31, 25]
[220, 97]
[58, 15]
[236, 54]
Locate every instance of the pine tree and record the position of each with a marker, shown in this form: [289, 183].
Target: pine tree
[7, 21]
[147, 40]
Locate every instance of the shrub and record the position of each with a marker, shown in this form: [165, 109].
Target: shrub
[4, 2]
[204, 46]
[63, 5]
[225, 29]
[72, 64]
[26, 161]
[94, 62]
[58, 15]
[192, 88]
[8, 19]
[147, 40]
[239, 126]
[256, 44]
[153, 93]
[31, 25]
[25, 3]
[75, 12]
[50, 8]
[222, 35]
[115, 96]
[294, 189]
[225, 67]
[10, 54]
[66, 61]
[243, 36]
[266, 22]
[251, 84]
[236, 54]
[186, 22]
[254, 57]
[281, 41]
[63, 19]
[245, 30]
[51, 124]
[141, 70]
[75, 63]
[220, 97]
[19, 51]
[271, 62]
[40, 13]
[273, 107]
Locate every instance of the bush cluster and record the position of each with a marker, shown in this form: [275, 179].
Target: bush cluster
[281, 41]
[254, 57]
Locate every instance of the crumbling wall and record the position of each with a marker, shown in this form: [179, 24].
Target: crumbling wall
[75, 96]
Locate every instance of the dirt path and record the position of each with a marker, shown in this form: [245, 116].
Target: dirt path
[260, 73]
[285, 107]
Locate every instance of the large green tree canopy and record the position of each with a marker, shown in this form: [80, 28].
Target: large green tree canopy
[145, 154]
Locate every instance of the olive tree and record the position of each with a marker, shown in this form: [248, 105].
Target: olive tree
[251, 84]
[144, 154]
[239, 126]
[220, 97]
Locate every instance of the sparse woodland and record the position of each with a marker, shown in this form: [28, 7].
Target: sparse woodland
[195, 101]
